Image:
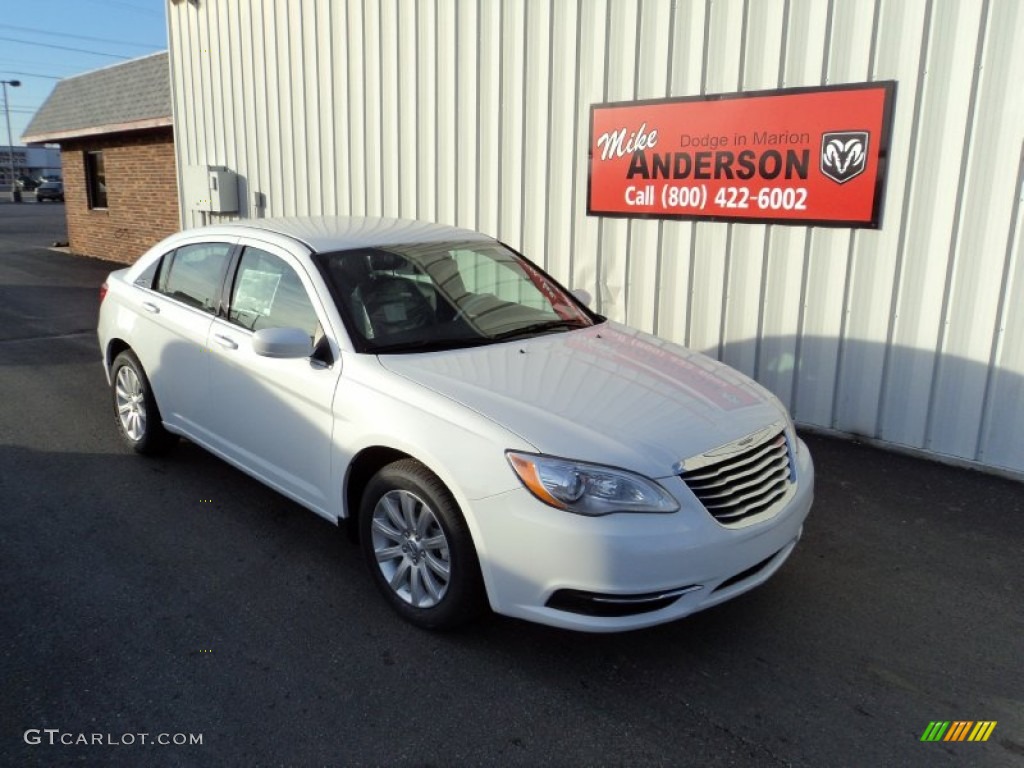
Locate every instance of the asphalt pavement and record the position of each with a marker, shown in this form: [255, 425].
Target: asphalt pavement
[178, 598]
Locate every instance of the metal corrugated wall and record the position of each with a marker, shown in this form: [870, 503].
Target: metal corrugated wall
[476, 113]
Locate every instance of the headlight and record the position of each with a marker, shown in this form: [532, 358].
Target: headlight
[588, 489]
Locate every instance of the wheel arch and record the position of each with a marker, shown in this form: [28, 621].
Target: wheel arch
[364, 465]
[114, 348]
[154, 437]
[467, 596]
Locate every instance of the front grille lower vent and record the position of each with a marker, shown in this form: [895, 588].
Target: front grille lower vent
[743, 484]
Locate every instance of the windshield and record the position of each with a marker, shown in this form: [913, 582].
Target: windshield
[431, 296]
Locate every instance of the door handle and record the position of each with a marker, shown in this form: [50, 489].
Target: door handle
[149, 306]
[225, 342]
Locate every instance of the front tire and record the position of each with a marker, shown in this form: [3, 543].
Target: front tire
[135, 409]
[418, 547]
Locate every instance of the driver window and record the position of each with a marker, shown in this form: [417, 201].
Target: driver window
[267, 293]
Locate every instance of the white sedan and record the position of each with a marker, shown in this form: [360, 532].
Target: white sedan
[490, 439]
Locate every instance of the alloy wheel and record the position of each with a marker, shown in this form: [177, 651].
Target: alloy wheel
[131, 403]
[411, 549]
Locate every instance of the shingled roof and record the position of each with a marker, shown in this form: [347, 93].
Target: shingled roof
[123, 97]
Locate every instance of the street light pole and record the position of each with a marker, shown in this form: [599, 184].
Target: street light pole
[15, 192]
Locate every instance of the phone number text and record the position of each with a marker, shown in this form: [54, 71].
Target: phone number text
[696, 197]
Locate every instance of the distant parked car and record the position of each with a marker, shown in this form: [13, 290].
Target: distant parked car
[50, 190]
[26, 183]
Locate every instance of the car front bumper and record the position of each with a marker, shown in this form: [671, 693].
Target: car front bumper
[628, 571]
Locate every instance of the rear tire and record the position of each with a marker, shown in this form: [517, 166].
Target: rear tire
[135, 409]
[418, 547]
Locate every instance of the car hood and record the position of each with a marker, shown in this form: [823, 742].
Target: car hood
[607, 394]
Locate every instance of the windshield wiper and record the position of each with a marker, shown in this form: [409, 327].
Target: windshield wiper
[535, 329]
[428, 345]
[438, 345]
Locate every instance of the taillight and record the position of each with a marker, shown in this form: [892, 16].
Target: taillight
[103, 291]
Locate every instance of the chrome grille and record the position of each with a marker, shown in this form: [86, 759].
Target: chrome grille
[743, 484]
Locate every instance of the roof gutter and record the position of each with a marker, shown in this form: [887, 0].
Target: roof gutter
[78, 133]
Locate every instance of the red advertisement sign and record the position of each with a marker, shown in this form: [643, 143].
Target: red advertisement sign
[798, 155]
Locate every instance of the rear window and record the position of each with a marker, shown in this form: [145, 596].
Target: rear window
[193, 274]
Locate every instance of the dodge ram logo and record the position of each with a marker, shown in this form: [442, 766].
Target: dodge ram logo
[844, 155]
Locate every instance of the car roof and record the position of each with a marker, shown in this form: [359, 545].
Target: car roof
[335, 233]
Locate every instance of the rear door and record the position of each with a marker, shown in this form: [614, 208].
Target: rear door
[274, 416]
[175, 314]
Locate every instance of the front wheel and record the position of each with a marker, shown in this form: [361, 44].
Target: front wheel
[135, 409]
[418, 547]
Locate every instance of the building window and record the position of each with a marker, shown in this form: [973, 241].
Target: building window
[96, 179]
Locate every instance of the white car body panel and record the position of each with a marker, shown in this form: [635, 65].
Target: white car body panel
[608, 395]
[259, 396]
[464, 449]
[170, 340]
[271, 396]
[628, 554]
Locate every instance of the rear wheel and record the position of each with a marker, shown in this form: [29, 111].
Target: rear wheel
[135, 409]
[418, 547]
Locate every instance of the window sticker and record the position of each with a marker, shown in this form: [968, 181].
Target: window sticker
[395, 313]
[256, 291]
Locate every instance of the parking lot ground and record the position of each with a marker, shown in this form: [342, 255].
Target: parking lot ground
[178, 596]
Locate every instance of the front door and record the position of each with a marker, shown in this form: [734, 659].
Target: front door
[273, 416]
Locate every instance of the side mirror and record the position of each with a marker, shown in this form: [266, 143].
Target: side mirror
[583, 296]
[282, 342]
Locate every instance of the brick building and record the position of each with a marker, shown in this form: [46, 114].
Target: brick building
[116, 139]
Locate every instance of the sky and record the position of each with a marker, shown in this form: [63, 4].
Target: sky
[42, 41]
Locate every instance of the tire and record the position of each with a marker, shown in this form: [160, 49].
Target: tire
[419, 549]
[135, 409]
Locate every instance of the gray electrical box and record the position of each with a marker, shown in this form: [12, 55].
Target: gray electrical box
[211, 188]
